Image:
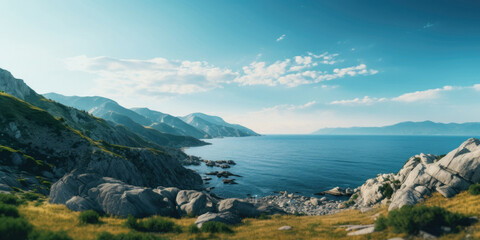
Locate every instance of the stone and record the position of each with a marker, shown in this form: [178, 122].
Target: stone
[190, 202]
[357, 227]
[238, 207]
[363, 231]
[314, 201]
[426, 235]
[224, 217]
[282, 228]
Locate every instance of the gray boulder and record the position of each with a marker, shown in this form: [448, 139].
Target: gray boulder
[224, 217]
[238, 207]
[83, 191]
[193, 202]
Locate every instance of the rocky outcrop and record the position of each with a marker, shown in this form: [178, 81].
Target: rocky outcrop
[84, 191]
[238, 207]
[195, 203]
[337, 191]
[422, 175]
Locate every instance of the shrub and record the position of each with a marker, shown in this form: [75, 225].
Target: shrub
[49, 235]
[14, 228]
[474, 189]
[89, 216]
[386, 190]
[8, 211]
[412, 219]
[29, 196]
[127, 236]
[22, 181]
[264, 216]
[193, 229]
[9, 199]
[152, 224]
[381, 223]
[216, 227]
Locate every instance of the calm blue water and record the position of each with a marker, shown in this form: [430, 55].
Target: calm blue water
[310, 163]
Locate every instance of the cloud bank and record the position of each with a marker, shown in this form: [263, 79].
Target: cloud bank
[164, 76]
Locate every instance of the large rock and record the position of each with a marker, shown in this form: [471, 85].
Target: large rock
[426, 173]
[190, 202]
[224, 217]
[83, 191]
[238, 207]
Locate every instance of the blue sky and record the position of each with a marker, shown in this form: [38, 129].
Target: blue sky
[274, 66]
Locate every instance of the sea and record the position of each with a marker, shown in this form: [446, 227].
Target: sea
[308, 164]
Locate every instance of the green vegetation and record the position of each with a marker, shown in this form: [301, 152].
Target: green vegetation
[89, 217]
[8, 211]
[14, 226]
[474, 189]
[386, 190]
[49, 235]
[29, 196]
[412, 219]
[127, 236]
[440, 157]
[152, 224]
[193, 229]
[10, 199]
[216, 227]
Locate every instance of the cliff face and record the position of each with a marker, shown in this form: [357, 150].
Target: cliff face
[36, 133]
[92, 127]
[422, 175]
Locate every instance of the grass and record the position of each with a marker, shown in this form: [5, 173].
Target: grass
[45, 216]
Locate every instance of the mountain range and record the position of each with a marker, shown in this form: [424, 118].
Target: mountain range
[196, 125]
[409, 128]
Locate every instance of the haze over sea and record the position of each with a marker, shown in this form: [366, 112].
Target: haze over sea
[310, 164]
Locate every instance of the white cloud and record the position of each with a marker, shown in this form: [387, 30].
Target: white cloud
[153, 76]
[160, 76]
[476, 87]
[406, 97]
[422, 95]
[428, 25]
[281, 38]
[291, 107]
[359, 101]
[297, 71]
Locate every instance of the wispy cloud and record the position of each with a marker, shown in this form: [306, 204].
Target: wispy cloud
[428, 25]
[291, 107]
[359, 101]
[153, 76]
[476, 87]
[281, 38]
[406, 97]
[422, 95]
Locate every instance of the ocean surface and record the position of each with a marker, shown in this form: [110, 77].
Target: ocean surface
[309, 164]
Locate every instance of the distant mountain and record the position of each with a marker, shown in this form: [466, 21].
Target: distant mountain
[216, 126]
[160, 119]
[409, 128]
[157, 132]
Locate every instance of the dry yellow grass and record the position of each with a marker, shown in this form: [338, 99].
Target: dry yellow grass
[58, 217]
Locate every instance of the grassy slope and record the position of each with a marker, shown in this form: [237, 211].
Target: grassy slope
[58, 217]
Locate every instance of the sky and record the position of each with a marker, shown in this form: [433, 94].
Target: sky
[277, 67]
